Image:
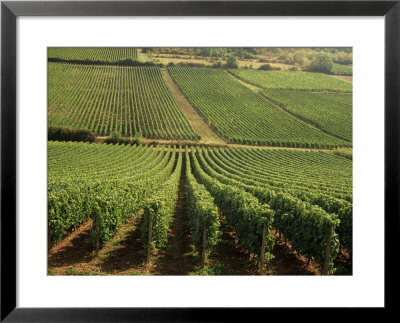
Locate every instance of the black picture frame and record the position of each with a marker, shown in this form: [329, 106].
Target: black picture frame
[10, 10]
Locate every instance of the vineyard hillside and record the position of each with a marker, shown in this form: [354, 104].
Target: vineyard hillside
[330, 112]
[302, 81]
[107, 54]
[242, 116]
[103, 99]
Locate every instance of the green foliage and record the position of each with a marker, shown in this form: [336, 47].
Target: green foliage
[304, 81]
[331, 112]
[306, 219]
[339, 69]
[67, 134]
[212, 270]
[243, 116]
[321, 63]
[232, 62]
[265, 67]
[343, 58]
[86, 180]
[201, 208]
[343, 153]
[108, 99]
[110, 54]
[116, 138]
[161, 205]
[241, 210]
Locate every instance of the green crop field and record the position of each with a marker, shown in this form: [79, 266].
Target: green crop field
[295, 192]
[184, 169]
[242, 116]
[110, 54]
[106, 183]
[104, 99]
[305, 81]
[340, 69]
[302, 188]
[331, 112]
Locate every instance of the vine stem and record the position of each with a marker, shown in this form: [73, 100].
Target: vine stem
[149, 238]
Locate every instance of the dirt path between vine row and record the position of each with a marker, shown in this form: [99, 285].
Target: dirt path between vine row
[199, 124]
[176, 258]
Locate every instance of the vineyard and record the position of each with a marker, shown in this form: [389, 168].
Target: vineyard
[304, 196]
[168, 166]
[242, 116]
[104, 99]
[330, 112]
[339, 69]
[108, 54]
[302, 81]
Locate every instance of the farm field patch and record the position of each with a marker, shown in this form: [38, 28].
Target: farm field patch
[242, 116]
[104, 99]
[110, 54]
[249, 186]
[305, 81]
[331, 112]
[192, 161]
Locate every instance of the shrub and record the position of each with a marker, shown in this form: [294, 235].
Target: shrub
[217, 64]
[232, 62]
[321, 63]
[265, 67]
[68, 134]
[116, 138]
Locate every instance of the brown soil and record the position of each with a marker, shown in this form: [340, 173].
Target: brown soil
[250, 86]
[199, 124]
[345, 78]
[75, 248]
[288, 262]
[228, 253]
[126, 255]
[176, 258]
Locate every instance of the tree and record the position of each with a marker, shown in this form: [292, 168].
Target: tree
[300, 58]
[232, 62]
[322, 63]
[265, 67]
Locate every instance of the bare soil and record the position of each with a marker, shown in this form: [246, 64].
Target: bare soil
[250, 86]
[176, 258]
[345, 78]
[125, 254]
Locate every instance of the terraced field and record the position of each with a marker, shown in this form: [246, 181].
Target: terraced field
[301, 81]
[242, 116]
[108, 54]
[104, 99]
